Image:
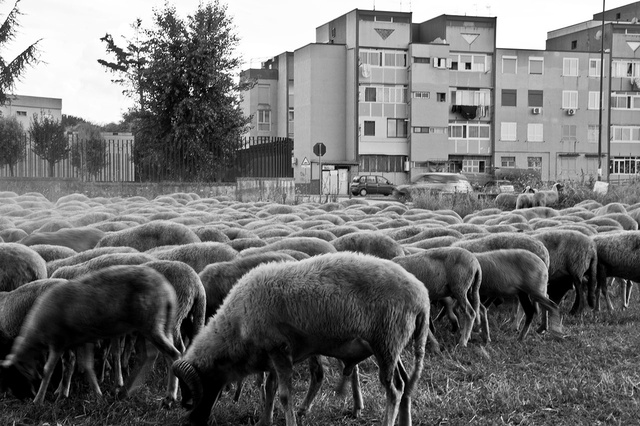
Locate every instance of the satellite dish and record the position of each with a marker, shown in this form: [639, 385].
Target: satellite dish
[598, 35]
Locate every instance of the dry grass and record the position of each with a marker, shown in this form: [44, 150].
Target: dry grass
[591, 377]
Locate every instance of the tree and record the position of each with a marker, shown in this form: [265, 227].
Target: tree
[12, 142]
[88, 150]
[181, 74]
[11, 71]
[48, 139]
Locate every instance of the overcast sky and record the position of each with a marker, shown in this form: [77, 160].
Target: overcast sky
[71, 29]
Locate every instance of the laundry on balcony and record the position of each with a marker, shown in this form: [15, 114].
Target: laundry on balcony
[468, 111]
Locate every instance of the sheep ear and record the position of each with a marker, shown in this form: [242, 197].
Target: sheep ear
[8, 362]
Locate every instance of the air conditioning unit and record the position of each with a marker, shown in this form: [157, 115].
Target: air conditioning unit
[536, 110]
[571, 111]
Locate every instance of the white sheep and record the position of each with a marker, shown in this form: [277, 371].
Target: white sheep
[449, 272]
[19, 265]
[196, 255]
[345, 305]
[99, 262]
[374, 243]
[505, 241]
[149, 235]
[84, 256]
[517, 272]
[78, 239]
[544, 198]
[106, 304]
[526, 198]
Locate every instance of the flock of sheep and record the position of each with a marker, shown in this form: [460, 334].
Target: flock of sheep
[225, 289]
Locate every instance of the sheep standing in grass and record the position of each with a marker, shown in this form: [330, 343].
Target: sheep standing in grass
[106, 304]
[546, 198]
[526, 198]
[345, 305]
[19, 265]
[618, 256]
[449, 272]
[520, 273]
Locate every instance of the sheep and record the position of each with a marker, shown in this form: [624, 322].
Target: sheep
[106, 304]
[618, 256]
[310, 245]
[325, 305]
[521, 273]
[149, 235]
[544, 198]
[525, 199]
[84, 256]
[509, 201]
[190, 310]
[78, 239]
[197, 255]
[51, 252]
[449, 272]
[373, 243]
[19, 265]
[99, 262]
[506, 241]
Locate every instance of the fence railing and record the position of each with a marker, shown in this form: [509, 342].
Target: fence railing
[116, 160]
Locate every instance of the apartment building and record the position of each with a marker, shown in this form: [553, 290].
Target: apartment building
[24, 107]
[391, 97]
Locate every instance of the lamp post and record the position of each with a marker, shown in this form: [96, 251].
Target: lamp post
[601, 93]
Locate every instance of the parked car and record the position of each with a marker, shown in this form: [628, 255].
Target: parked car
[371, 184]
[434, 182]
[499, 186]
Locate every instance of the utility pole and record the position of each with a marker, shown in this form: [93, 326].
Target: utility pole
[601, 93]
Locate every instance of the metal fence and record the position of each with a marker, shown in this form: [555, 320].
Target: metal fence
[254, 157]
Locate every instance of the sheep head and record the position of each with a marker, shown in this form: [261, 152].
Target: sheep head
[199, 393]
[21, 379]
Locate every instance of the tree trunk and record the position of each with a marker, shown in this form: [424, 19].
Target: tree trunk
[51, 168]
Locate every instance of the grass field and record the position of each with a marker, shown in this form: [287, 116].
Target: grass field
[589, 378]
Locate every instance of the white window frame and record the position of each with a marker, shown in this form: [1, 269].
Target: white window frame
[629, 100]
[470, 97]
[572, 135]
[536, 59]
[594, 67]
[508, 131]
[594, 100]
[570, 67]
[625, 134]
[537, 165]
[464, 130]
[509, 160]
[264, 120]
[625, 68]
[592, 133]
[510, 58]
[535, 132]
[569, 99]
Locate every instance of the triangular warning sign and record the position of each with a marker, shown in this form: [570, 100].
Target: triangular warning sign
[306, 162]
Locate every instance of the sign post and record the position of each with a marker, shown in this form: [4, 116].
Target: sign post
[319, 149]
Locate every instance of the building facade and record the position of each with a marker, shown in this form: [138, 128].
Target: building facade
[388, 96]
[24, 107]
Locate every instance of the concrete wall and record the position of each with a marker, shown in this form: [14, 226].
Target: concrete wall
[280, 190]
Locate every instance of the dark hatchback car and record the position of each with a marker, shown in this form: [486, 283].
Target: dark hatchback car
[371, 184]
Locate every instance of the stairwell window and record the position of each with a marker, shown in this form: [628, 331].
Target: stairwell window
[264, 120]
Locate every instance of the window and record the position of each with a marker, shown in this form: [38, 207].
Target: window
[594, 67]
[468, 62]
[430, 129]
[594, 100]
[535, 132]
[264, 120]
[369, 128]
[509, 64]
[395, 59]
[396, 128]
[574, 44]
[291, 115]
[473, 166]
[476, 97]
[469, 130]
[441, 97]
[370, 57]
[570, 67]
[509, 162]
[508, 131]
[535, 98]
[509, 97]
[592, 133]
[569, 132]
[625, 68]
[625, 134]
[370, 94]
[534, 163]
[458, 131]
[570, 99]
[421, 95]
[536, 65]
[381, 163]
[440, 62]
[418, 60]
[625, 100]
[625, 165]
[21, 113]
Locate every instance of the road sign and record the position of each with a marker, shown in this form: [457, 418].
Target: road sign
[319, 149]
[305, 162]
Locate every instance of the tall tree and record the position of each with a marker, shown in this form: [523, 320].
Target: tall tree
[48, 139]
[181, 74]
[12, 70]
[88, 150]
[12, 142]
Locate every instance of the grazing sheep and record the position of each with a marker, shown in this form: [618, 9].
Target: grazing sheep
[53, 252]
[434, 242]
[449, 272]
[618, 256]
[106, 304]
[325, 305]
[544, 198]
[517, 272]
[506, 241]
[197, 255]
[525, 200]
[509, 201]
[149, 235]
[310, 245]
[12, 235]
[218, 278]
[78, 239]
[19, 265]
[99, 262]
[368, 242]
[190, 309]
[84, 256]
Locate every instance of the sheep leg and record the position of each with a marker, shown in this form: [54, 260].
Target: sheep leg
[283, 364]
[143, 364]
[530, 310]
[117, 360]
[172, 381]
[404, 413]
[627, 293]
[315, 382]
[353, 373]
[270, 386]
[52, 360]
[105, 362]
[85, 354]
[484, 328]
[68, 365]
[469, 315]
[394, 387]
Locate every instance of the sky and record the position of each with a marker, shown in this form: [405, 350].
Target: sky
[70, 30]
